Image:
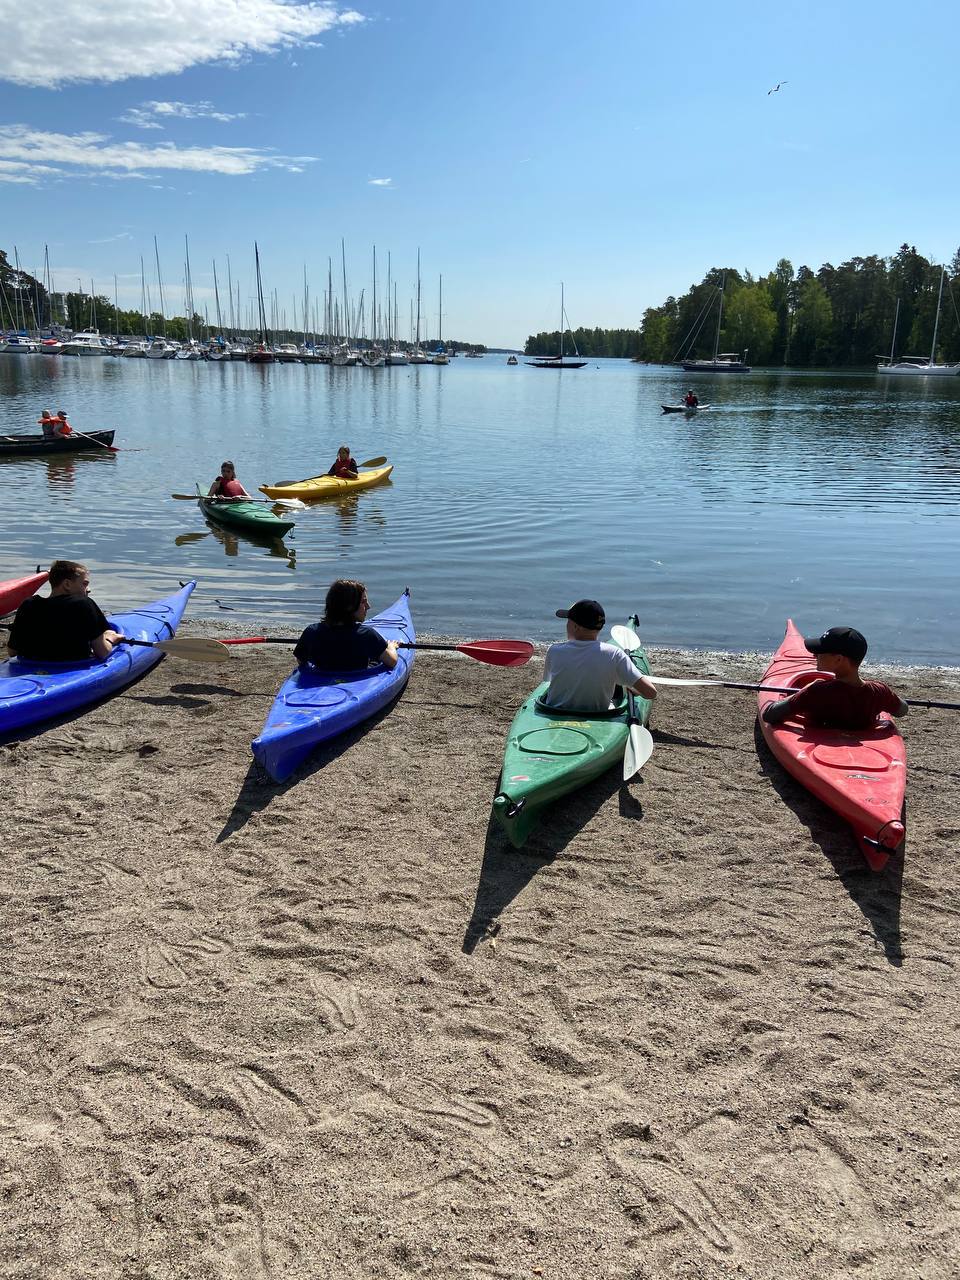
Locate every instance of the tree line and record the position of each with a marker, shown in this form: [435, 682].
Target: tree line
[835, 317]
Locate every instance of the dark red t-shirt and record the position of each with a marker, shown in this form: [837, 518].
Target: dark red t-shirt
[340, 469]
[839, 705]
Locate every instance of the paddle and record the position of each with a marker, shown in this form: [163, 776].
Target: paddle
[109, 447]
[772, 688]
[639, 747]
[370, 462]
[194, 650]
[497, 653]
[294, 504]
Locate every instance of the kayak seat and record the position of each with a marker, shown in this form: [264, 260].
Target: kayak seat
[617, 709]
[803, 678]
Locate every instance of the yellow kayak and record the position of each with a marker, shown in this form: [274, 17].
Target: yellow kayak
[326, 486]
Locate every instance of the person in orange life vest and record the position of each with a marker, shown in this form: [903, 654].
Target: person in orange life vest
[48, 423]
[345, 468]
[226, 484]
[61, 427]
[846, 701]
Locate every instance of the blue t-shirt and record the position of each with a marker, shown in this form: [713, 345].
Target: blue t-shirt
[349, 648]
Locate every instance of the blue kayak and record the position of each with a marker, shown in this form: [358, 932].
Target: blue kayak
[31, 692]
[314, 706]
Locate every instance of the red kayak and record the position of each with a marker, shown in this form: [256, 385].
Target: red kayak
[14, 591]
[859, 773]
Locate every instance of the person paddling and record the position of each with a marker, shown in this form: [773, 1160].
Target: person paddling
[345, 467]
[342, 641]
[226, 484]
[66, 625]
[584, 674]
[690, 400]
[846, 701]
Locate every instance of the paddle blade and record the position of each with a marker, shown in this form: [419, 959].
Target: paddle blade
[638, 752]
[625, 638]
[373, 462]
[195, 650]
[186, 497]
[498, 653]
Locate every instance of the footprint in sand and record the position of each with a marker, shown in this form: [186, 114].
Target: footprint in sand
[338, 1006]
[161, 969]
[269, 1105]
[665, 1201]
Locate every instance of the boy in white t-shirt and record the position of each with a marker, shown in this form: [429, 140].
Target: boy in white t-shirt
[584, 673]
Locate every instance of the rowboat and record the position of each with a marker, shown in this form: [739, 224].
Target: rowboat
[327, 486]
[551, 753]
[859, 773]
[14, 446]
[31, 692]
[684, 408]
[14, 591]
[314, 706]
[248, 517]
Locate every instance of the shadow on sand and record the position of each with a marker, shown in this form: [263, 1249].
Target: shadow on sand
[259, 789]
[505, 871]
[878, 896]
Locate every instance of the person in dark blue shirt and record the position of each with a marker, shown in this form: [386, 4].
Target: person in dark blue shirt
[342, 641]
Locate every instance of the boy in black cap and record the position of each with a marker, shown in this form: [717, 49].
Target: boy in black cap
[846, 702]
[584, 673]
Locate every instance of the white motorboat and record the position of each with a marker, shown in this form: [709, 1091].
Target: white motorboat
[288, 353]
[87, 343]
[396, 356]
[160, 349]
[134, 350]
[15, 345]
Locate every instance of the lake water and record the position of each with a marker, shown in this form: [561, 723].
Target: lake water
[831, 498]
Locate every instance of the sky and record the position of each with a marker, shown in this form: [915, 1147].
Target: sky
[623, 148]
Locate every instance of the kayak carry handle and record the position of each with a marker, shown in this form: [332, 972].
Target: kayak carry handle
[513, 807]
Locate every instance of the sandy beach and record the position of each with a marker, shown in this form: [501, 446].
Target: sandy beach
[338, 1028]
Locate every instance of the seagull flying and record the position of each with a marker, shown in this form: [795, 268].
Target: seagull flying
[776, 87]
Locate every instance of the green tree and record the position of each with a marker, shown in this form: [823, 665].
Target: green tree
[749, 321]
[813, 324]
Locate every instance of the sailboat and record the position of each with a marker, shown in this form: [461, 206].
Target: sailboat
[558, 362]
[417, 356]
[722, 361]
[440, 354]
[925, 367]
[261, 354]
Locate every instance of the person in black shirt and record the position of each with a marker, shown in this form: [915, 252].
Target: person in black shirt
[66, 625]
[341, 642]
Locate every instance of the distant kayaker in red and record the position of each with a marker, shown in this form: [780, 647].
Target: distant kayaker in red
[345, 468]
[846, 701]
[226, 484]
[690, 400]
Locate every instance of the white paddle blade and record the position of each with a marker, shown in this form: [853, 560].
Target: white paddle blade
[638, 752]
[625, 638]
[195, 650]
[678, 681]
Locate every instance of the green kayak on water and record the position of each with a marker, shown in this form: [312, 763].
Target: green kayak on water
[246, 517]
[550, 753]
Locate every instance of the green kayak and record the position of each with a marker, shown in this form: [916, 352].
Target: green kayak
[550, 753]
[248, 517]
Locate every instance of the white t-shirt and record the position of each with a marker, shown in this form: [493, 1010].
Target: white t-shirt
[584, 673]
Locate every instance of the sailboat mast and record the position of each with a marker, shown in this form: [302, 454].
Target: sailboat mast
[163, 305]
[936, 323]
[418, 301]
[893, 340]
[716, 341]
[233, 327]
[440, 315]
[186, 245]
[561, 319]
[216, 295]
[343, 264]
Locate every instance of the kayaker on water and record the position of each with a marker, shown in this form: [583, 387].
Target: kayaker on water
[66, 625]
[585, 674]
[226, 484]
[846, 701]
[342, 642]
[690, 400]
[345, 468]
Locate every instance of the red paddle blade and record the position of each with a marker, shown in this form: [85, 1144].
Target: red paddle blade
[498, 653]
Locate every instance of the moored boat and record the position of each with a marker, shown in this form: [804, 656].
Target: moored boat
[14, 591]
[312, 706]
[249, 517]
[550, 753]
[15, 446]
[327, 486]
[31, 692]
[87, 343]
[859, 773]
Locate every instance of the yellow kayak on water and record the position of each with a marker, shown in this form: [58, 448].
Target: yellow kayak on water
[326, 486]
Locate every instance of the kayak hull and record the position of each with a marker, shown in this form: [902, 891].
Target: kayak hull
[32, 692]
[314, 706]
[14, 591]
[245, 517]
[684, 408]
[551, 753]
[860, 774]
[327, 486]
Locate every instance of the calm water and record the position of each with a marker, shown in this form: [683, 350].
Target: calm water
[829, 498]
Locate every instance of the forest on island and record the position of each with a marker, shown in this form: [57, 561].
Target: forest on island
[836, 317]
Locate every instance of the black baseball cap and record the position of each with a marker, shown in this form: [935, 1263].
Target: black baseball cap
[585, 613]
[846, 641]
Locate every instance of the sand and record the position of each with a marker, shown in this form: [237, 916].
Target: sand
[337, 1028]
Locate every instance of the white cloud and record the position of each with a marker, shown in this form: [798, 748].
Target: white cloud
[29, 155]
[111, 42]
[147, 115]
[381, 182]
